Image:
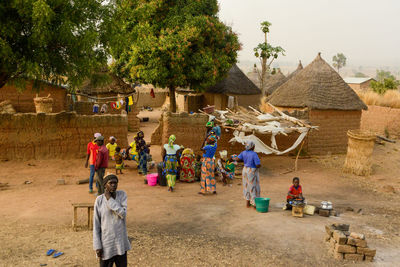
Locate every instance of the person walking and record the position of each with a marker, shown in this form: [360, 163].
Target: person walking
[110, 237]
[91, 159]
[170, 166]
[101, 163]
[250, 174]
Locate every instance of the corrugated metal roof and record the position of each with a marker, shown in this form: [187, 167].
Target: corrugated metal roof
[357, 80]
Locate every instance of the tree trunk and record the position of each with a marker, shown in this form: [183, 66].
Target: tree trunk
[172, 100]
[3, 79]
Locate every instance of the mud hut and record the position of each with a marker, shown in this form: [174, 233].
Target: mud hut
[325, 100]
[294, 73]
[274, 81]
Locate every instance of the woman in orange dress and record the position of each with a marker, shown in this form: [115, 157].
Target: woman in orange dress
[187, 166]
[208, 182]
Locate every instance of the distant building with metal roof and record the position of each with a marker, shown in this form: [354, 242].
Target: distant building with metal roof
[359, 83]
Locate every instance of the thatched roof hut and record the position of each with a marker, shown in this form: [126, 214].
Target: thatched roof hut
[294, 73]
[274, 81]
[317, 86]
[236, 83]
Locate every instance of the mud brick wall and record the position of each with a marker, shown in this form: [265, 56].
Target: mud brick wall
[86, 108]
[58, 135]
[332, 134]
[22, 101]
[146, 100]
[378, 119]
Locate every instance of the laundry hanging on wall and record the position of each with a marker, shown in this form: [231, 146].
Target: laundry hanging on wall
[95, 108]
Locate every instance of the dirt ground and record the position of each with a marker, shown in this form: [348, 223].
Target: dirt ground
[183, 228]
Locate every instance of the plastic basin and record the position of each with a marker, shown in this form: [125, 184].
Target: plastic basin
[152, 179]
[262, 204]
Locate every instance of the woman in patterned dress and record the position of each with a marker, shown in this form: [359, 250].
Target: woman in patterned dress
[250, 174]
[170, 162]
[187, 166]
[208, 182]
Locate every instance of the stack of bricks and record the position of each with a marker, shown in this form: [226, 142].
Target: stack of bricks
[348, 245]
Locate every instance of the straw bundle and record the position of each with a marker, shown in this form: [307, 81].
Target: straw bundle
[6, 107]
[359, 152]
[43, 104]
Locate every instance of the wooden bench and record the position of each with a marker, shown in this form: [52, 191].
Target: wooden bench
[89, 207]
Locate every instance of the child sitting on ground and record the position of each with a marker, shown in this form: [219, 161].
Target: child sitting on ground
[228, 170]
[119, 162]
[295, 194]
[197, 168]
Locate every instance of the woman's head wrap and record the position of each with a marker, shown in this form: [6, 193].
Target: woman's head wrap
[210, 124]
[250, 145]
[108, 178]
[171, 140]
[211, 139]
[188, 151]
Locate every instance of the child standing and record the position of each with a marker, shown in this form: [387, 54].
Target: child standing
[197, 168]
[295, 193]
[119, 162]
[111, 146]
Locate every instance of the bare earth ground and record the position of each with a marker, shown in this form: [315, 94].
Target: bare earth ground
[184, 228]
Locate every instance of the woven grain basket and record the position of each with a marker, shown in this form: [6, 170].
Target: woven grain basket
[43, 104]
[359, 152]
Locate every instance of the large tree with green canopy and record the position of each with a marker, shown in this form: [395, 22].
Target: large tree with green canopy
[54, 40]
[172, 43]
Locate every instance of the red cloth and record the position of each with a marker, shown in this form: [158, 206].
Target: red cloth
[92, 149]
[102, 157]
[294, 191]
[152, 93]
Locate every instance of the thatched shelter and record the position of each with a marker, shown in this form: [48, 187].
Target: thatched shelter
[274, 81]
[236, 84]
[294, 73]
[329, 102]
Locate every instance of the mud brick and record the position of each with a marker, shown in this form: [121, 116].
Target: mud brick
[332, 243]
[354, 257]
[357, 242]
[346, 233]
[338, 256]
[357, 235]
[369, 258]
[366, 251]
[345, 249]
[339, 237]
[327, 237]
[329, 229]
[341, 226]
[324, 213]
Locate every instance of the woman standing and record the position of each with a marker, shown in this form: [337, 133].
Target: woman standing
[250, 174]
[170, 162]
[143, 151]
[207, 182]
[187, 166]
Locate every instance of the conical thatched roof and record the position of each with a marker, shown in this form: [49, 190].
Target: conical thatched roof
[253, 76]
[317, 86]
[299, 68]
[274, 81]
[236, 83]
[104, 82]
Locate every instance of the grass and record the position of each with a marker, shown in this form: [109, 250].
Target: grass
[390, 99]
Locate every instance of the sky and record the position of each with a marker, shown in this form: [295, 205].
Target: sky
[367, 32]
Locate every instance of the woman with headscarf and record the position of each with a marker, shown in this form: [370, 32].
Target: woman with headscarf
[250, 174]
[170, 162]
[207, 181]
[143, 151]
[187, 166]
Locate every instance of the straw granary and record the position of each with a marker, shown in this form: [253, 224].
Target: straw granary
[236, 84]
[274, 81]
[329, 102]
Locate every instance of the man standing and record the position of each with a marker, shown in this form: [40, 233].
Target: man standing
[101, 164]
[91, 159]
[110, 237]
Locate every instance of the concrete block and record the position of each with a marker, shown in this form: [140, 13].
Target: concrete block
[366, 251]
[338, 256]
[354, 257]
[339, 237]
[345, 249]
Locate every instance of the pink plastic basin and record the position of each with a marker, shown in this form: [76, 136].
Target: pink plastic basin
[152, 179]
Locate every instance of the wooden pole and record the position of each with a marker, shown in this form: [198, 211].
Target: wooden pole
[298, 154]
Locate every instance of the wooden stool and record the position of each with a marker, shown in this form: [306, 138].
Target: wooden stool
[297, 211]
[89, 207]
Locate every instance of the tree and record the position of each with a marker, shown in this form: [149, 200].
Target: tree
[172, 43]
[385, 81]
[360, 75]
[339, 61]
[53, 40]
[266, 53]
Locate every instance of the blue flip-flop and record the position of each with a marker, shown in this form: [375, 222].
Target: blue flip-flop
[58, 254]
[50, 251]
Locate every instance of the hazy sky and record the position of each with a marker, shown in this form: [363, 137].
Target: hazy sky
[366, 31]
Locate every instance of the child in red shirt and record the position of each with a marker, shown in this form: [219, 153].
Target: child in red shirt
[295, 193]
